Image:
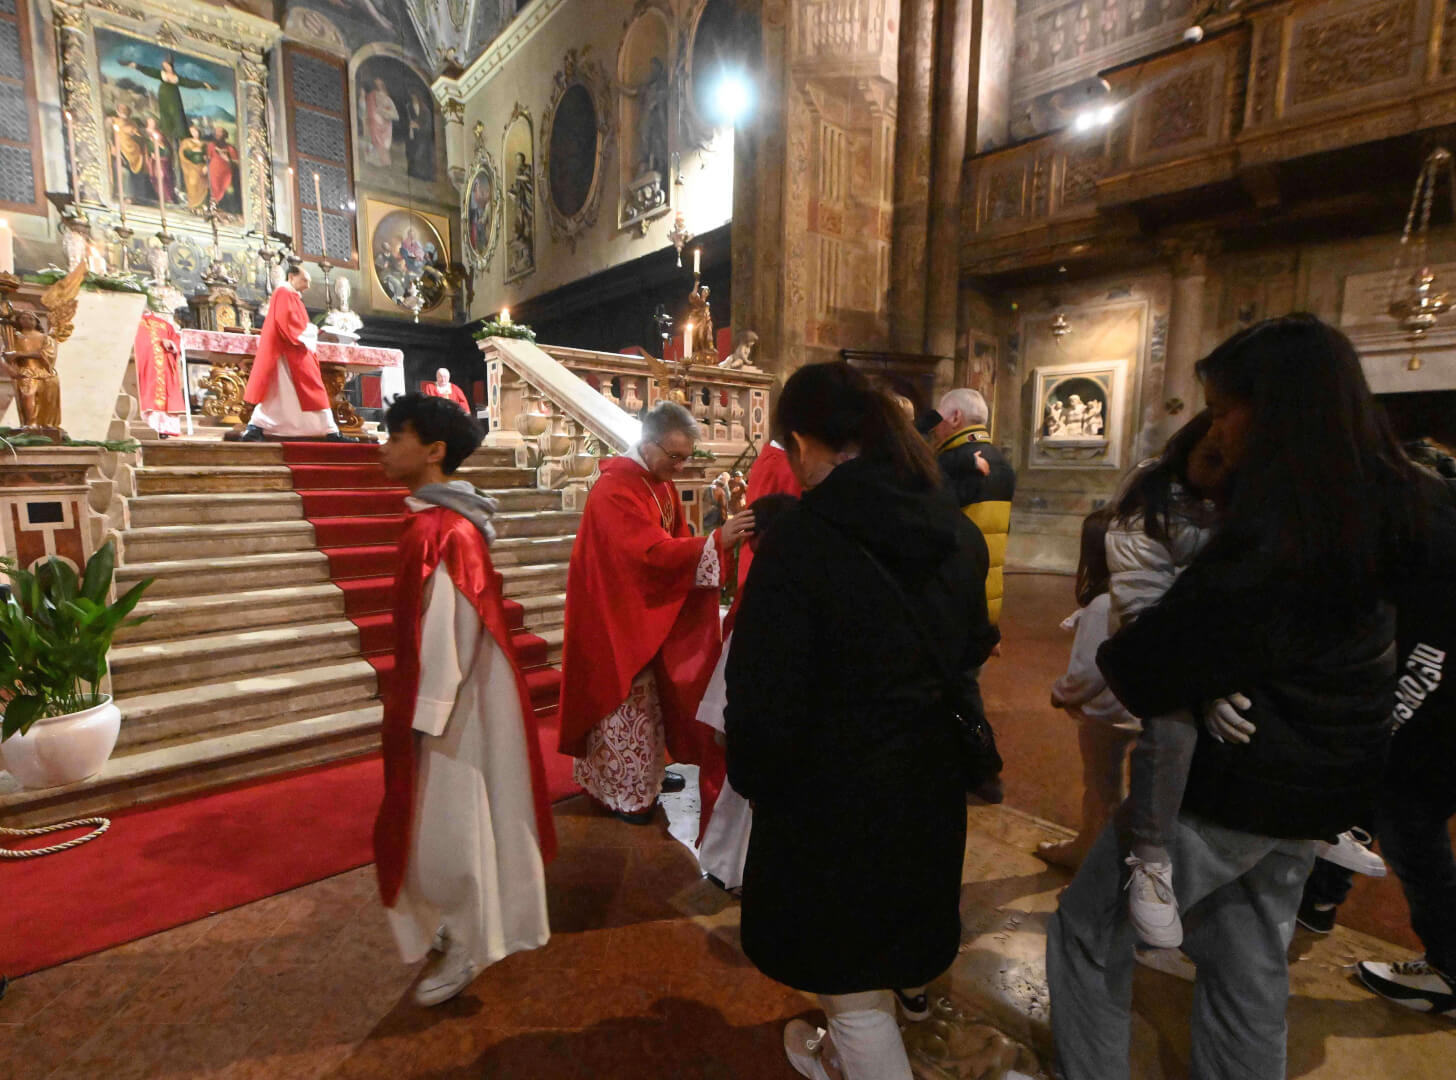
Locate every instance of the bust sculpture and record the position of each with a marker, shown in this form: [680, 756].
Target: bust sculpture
[340, 321]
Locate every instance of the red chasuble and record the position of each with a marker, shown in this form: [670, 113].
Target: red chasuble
[456, 394]
[631, 601]
[156, 349]
[430, 537]
[282, 335]
[770, 475]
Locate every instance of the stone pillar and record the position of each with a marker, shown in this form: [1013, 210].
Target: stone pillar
[1182, 396]
[992, 52]
[912, 175]
[74, 29]
[260, 175]
[952, 101]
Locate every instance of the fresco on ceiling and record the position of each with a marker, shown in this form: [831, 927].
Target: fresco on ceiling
[369, 22]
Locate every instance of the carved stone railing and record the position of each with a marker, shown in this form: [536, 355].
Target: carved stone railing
[563, 409]
[845, 38]
[1273, 83]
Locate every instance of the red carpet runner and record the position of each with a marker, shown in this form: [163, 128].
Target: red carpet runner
[357, 517]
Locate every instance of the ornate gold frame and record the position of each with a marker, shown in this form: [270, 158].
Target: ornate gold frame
[518, 114]
[578, 68]
[375, 211]
[481, 162]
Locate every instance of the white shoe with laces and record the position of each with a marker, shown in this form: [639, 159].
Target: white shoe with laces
[803, 1044]
[1352, 851]
[445, 976]
[1152, 905]
[1412, 983]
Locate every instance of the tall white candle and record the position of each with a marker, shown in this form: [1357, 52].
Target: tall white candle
[505, 316]
[120, 191]
[318, 203]
[697, 261]
[157, 176]
[7, 248]
[687, 342]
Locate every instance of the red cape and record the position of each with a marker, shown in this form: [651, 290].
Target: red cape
[221, 161]
[156, 348]
[432, 536]
[282, 336]
[630, 602]
[770, 475]
[456, 394]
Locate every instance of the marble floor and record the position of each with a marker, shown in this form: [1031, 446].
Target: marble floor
[643, 977]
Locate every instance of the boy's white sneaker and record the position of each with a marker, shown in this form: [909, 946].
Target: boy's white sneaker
[1152, 905]
[1172, 962]
[1351, 850]
[1412, 983]
[803, 1044]
[445, 976]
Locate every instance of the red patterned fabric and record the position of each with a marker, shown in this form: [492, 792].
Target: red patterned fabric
[159, 381]
[433, 536]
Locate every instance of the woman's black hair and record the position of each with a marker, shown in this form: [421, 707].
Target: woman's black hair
[838, 406]
[1093, 576]
[1149, 492]
[1324, 491]
[436, 419]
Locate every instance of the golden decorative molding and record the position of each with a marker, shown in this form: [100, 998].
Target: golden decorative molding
[579, 69]
[73, 27]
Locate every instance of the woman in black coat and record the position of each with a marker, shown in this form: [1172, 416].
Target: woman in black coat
[834, 725]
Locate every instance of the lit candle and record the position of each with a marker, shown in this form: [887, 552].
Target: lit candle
[120, 191]
[71, 150]
[157, 175]
[687, 341]
[7, 248]
[505, 316]
[697, 261]
[318, 204]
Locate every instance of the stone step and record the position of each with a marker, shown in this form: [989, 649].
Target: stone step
[532, 580]
[210, 479]
[553, 639]
[492, 476]
[147, 775]
[198, 660]
[173, 617]
[529, 550]
[536, 523]
[250, 701]
[155, 511]
[207, 577]
[172, 542]
[544, 611]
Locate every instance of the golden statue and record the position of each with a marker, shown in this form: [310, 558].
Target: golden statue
[31, 358]
[705, 345]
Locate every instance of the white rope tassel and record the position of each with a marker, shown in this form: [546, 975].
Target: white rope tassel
[98, 826]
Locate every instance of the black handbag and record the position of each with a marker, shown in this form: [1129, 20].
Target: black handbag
[981, 763]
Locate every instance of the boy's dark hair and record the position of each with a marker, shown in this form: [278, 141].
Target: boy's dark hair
[1093, 576]
[1149, 492]
[769, 508]
[436, 419]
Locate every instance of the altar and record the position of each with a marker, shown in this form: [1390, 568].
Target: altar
[216, 365]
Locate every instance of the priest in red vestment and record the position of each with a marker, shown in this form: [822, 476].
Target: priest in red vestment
[465, 828]
[285, 386]
[770, 475]
[442, 387]
[157, 351]
[641, 622]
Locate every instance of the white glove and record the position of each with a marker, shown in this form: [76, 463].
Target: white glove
[1225, 720]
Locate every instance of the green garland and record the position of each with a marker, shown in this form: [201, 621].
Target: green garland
[19, 438]
[506, 330]
[108, 282]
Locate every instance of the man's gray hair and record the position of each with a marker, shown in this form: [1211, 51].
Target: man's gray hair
[969, 403]
[666, 417]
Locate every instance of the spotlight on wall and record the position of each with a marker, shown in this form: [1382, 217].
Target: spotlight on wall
[1193, 34]
[1098, 117]
[732, 97]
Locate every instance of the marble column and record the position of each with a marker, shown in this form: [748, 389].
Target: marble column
[952, 105]
[913, 134]
[1182, 396]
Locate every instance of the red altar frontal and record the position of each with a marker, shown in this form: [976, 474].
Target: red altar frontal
[217, 365]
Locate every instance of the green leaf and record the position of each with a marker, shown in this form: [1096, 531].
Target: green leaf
[20, 713]
[99, 570]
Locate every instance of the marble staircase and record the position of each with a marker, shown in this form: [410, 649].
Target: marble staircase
[269, 625]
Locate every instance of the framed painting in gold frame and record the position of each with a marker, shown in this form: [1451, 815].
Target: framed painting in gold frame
[403, 243]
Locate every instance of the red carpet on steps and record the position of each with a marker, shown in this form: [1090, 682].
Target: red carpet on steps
[167, 864]
[357, 519]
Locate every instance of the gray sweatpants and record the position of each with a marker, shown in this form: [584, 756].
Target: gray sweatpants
[1239, 894]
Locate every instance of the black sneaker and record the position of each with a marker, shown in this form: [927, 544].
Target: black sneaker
[1412, 983]
[915, 1008]
[1316, 918]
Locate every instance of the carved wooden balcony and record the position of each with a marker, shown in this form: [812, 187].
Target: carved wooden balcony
[846, 39]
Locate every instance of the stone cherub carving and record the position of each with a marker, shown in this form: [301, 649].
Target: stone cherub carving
[741, 358]
[30, 360]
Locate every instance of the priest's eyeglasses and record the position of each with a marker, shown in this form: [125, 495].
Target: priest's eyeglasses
[677, 459]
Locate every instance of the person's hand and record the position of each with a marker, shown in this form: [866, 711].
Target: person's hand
[1225, 720]
[737, 528]
[982, 465]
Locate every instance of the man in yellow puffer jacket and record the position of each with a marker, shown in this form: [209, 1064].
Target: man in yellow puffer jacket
[979, 476]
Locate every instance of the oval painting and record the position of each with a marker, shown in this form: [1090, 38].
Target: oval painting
[573, 150]
[480, 212]
[404, 246]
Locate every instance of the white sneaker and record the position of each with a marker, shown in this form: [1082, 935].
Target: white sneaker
[440, 941]
[1174, 962]
[1412, 983]
[802, 1045]
[1352, 851]
[1152, 905]
[445, 977]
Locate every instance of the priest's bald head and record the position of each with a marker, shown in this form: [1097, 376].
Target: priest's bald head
[669, 433]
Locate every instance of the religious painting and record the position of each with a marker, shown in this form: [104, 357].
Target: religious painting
[576, 143]
[519, 156]
[409, 252]
[395, 124]
[171, 125]
[642, 73]
[481, 202]
[1077, 415]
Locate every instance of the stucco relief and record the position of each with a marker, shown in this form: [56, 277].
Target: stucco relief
[1178, 110]
[1351, 51]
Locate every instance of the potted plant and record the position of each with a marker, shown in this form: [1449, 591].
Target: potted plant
[55, 632]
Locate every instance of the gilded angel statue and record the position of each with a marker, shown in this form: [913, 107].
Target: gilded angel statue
[31, 359]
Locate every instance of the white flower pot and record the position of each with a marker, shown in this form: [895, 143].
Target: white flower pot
[63, 749]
